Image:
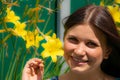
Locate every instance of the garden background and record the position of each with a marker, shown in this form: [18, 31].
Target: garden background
[29, 28]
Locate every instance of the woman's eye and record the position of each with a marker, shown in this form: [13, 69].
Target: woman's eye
[72, 40]
[91, 44]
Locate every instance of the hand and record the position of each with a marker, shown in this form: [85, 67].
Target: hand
[33, 70]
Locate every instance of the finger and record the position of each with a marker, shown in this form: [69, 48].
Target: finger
[38, 61]
[41, 68]
[34, 66]
[37, 64]
[40, 72]
[33, 61]
[31, 71]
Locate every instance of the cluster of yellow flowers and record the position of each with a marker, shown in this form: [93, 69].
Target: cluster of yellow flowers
[114, 9]
[52, 47]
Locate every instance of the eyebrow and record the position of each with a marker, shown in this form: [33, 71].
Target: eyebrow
[92, 40]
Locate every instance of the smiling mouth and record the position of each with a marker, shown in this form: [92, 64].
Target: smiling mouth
[79, 60]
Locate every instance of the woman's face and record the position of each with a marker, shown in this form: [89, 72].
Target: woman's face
[85, 48]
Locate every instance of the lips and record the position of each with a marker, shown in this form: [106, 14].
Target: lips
[79, 60]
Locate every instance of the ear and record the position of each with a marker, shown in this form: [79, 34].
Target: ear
[107, 52]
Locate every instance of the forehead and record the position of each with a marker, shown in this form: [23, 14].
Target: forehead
[88, 31]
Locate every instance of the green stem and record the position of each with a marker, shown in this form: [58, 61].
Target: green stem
[6, 38]
[16, 64]
[46, 23]
[22, 66]
[12, 69]
[12, 62]
[47, 67]
[2, 57]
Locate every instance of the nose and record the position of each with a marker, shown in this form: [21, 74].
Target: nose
[80, 50]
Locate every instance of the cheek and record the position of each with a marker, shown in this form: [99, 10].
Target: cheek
[67, 47]
[96, 55]
[67, 50]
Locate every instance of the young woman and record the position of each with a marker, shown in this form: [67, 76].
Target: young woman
[91, 48]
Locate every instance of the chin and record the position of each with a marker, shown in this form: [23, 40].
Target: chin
[78, 69]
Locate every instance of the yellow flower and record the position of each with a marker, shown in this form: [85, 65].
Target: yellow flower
[53, 48]
[117, 1]
[102, 3]
[32, 39]
[115, 12]
[11, 17]
[20, 29]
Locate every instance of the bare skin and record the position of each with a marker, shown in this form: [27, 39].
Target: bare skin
[69, 76]
[33, 70]
[84, 51]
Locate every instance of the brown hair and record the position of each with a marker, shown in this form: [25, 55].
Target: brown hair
[100, 18]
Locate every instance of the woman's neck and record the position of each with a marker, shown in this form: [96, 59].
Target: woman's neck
[95, 75]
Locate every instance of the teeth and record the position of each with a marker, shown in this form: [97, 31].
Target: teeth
[78, 60]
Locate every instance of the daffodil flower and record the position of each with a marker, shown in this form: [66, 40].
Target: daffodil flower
[115, 12]
[52, 48]
[32, 39]
[117, 1]
[19, 29]
[11, 17]
[102, 3]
